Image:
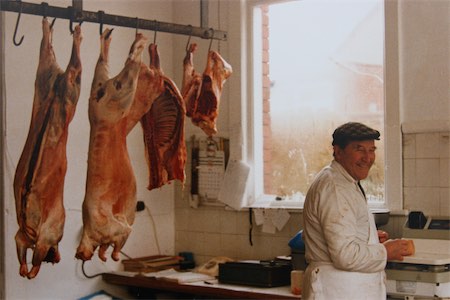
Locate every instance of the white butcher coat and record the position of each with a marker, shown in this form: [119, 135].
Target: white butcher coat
[346, 260]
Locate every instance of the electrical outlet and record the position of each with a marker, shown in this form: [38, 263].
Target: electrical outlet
[140, 206]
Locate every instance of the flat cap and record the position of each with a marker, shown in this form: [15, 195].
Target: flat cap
[353, 131]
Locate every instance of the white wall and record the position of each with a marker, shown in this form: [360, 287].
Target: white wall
[424, 64]
[65, 279]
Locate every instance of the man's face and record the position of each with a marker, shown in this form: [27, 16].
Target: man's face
[357, 158]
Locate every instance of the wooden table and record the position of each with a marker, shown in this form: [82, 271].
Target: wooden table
[214, 290]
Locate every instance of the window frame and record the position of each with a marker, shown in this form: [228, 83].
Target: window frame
[246, 142]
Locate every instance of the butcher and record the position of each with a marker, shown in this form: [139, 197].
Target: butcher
[346, 254]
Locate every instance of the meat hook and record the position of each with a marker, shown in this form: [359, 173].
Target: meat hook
[212, 38]
[44, 13]
[71, 26]
[17, 25]
[109, 34]
[100, 20]
[44, 6]
[156, 30]
[53, 23]
[189, 39]
[71, 20]
[137, 25]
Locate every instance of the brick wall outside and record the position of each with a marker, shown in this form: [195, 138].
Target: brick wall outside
[267, 133]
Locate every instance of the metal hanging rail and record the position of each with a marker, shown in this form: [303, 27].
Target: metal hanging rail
[76, 14]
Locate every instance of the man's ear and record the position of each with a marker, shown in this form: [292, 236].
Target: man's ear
[337, 151]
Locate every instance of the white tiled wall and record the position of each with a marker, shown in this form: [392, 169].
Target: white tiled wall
[210, 231]
[426, 183]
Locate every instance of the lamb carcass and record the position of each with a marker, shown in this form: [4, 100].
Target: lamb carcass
[40, 173]
[163, 127]
[110, 200]
[203, 101]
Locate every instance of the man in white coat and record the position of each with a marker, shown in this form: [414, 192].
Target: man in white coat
[345, 252]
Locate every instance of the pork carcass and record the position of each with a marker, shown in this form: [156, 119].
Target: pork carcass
[40, 173]
[204, 108]
[110, 200]
[163, 127]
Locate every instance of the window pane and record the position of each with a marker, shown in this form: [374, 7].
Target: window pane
[322, 66]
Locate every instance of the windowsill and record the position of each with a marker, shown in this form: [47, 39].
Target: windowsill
[269, 201]
[278, 205]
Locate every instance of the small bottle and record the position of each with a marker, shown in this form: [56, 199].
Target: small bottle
[296, 282]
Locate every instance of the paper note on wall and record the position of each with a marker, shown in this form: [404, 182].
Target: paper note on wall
[280, 218]
[259, 216]
[234, 183]
[271, 219]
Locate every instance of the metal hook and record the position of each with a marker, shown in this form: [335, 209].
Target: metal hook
[53, 23]
[100, 18]
[44, 6]
[71, 19]
[72, 16]
[109, 34]
[137, 25]
[71, 26]
[156, 30]
[212, 37]
[189, 39]
[17, 25]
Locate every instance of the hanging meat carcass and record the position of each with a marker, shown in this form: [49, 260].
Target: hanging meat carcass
[110, 200]
[203, 99]
[163, 126]
[40, 173]
[150, 85]
[192, 81]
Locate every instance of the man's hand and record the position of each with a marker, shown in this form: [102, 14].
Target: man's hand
[383, 236]
[396, 249]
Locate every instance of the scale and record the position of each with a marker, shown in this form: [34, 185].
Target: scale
[426, 274]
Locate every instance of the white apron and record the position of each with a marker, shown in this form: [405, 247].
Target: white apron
[322, 281]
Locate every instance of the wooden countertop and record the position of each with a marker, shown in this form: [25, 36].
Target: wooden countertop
[214, 290]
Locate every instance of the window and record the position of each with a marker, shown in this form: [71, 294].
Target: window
[316, 65]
